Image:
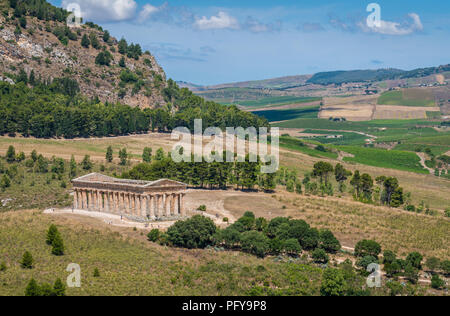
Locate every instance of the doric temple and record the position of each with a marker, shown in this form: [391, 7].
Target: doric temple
[135, 199]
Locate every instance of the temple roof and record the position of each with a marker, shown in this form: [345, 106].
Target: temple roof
[97, 178]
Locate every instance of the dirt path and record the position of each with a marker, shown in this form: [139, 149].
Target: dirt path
[423, 158]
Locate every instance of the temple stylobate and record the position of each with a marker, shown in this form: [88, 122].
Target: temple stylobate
[135, 199]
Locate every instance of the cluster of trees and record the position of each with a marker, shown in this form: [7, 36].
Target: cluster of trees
[215, 175]
[369, 251]
[55, 109]
[40, 9]
[130, 50]
[253, 235]
[45, 289]
[46, 112]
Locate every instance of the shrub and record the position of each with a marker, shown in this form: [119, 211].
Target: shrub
[445, 266]
[367, 248]
[389, 257]
[415, 260]
[51, 233]
[27, 261]
[292, 247]
[433, 263]
[153, 235]
[436, 282]
[202, 208]
[3, 266]
[57, 245]
[366, 261]
[320, 256]
[96, 273]
[333, 283]
[255, 243]
[328, 242]
[411, 274]
[196, 232]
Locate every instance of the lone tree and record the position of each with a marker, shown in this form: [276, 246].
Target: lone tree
[341, 175]
[109, 154]
[27, 261]
[32, 289]
[147, 155]
[57, 245]
[367, 248]
[86, 163]
[85, 42]
[59, 288]
[322, 170]
[51, 234]
[11, 154]
[123, 156]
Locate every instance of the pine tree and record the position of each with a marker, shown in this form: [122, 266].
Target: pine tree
[73, 167]
[51, 233]
[32, 289]
[11, 154]
[85, 42]
[123, 156]
[86, 163]
[32, 78]
[58, 288]
[109, 154]
[96, 273]
[57, 245]
[147, 155]
[27, 261]
[123, 46]
[122, 62]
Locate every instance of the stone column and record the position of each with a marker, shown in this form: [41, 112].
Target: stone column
[149, 209]
[172, 205]
[157, 208]
[138, 205]
[182, 205]
[107, 207]
[100, 201]
[83, 199]
[75, 199]
[90, 200]
[166, 205]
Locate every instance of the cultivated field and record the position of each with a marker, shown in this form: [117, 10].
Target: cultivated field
[386, 112]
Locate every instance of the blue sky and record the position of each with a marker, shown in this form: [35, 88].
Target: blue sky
[218, 41]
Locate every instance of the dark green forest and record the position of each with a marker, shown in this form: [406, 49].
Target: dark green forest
[56, 109]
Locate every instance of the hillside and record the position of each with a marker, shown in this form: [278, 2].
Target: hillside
[35, 40]
[339, 77]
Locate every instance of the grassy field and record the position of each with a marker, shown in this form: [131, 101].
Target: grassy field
[278, 101]
[403, 98]
[366, 127]
[394, 159]
[290, 114]
[130, 265]
[298, 145]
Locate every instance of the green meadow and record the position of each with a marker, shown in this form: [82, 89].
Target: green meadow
[397, 98]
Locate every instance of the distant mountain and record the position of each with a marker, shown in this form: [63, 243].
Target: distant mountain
[340, 77]
[274, 83]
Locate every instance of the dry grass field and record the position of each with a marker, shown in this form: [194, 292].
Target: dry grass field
[130, 265]
[355, 108]
[388, 112]
[351, 221]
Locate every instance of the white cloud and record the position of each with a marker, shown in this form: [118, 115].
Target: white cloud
[105, 10]
[147, 11]
[395, 28]
[222, 21]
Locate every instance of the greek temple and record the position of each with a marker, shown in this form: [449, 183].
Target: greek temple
[135, 199]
